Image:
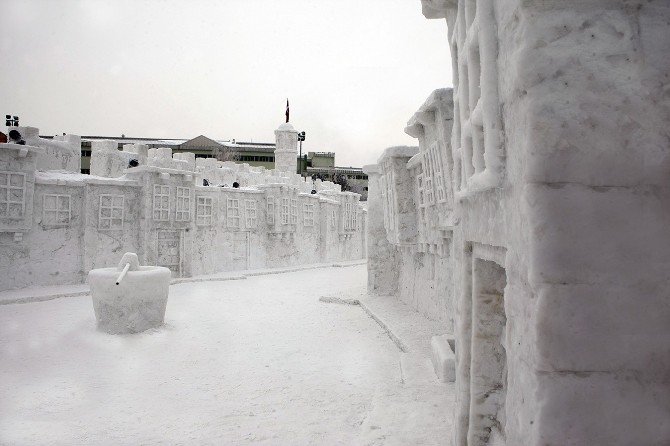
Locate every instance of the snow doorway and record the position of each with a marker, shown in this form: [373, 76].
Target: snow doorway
[487, 386]
[168, 250]
[241, 249]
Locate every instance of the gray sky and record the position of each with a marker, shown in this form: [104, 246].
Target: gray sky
[354, 70]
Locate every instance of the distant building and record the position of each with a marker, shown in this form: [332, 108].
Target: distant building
[354, 178]
[258, 154]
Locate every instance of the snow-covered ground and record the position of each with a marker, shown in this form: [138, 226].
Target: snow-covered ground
[260, 360]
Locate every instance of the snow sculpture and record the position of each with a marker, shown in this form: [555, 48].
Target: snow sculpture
[129, 298]
[108, 161]
[442, 357]
[286, 150]
[63, 152]
[177, 211]
[535, 194]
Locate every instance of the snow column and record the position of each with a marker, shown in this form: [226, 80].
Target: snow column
[286, 150]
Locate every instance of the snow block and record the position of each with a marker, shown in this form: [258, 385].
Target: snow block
[133, 304]
[443, 358]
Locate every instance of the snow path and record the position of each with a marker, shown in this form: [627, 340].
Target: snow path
[238, 362]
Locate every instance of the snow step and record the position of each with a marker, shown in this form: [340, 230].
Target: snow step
[443, 357]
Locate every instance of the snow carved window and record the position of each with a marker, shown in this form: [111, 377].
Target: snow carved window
[438, 174]
[56, 209]
[384, 194]
[233, 212]
[428, 190]
[347, 216]
[161, 203]
[419, 188]
[428, 194]
[389, 198]
[12, 194]
[333, 219]
[183, 205]
[294, 211]
[308, 214]
[270, 211]
[349, 219]
[203, 211]
[284, 211]
[354, 218]
[110, 214]
[478, 143]
[250, 213]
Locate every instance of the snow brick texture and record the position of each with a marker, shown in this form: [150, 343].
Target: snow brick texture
[550, 246]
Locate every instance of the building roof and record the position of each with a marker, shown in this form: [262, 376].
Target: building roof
[357, 170]
[130, 140]
[200, 142]
[249, 146]
[321, 154]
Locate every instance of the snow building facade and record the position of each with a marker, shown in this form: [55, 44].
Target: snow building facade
[532, 220]
[194, 216]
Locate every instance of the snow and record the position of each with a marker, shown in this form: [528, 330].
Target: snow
[129, 298]
[42, 293]
[260, 360]
[286, 126]
[160, 210]
[534, 221]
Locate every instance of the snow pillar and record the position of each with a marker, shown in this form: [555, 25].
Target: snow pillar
[286, 150]
[382, 260]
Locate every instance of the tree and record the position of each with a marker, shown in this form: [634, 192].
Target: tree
[225, 154]
[340, 179]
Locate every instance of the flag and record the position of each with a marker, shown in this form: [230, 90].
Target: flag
[286, 110]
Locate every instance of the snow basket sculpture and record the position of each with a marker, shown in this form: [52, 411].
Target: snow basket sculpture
[130, 298]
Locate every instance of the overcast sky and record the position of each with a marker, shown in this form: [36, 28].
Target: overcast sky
[354, 70]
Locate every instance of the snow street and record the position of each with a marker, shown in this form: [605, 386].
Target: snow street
[259, 360]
